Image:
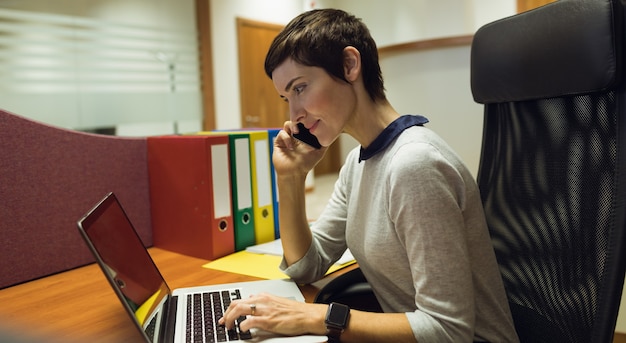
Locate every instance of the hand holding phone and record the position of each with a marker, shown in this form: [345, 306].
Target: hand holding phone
[306, 137]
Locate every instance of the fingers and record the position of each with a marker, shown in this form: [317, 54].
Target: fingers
[290, 127]
[275, 314]
[292, 157]
[253, 308]
[238, 308]
[285, 140]
[258, 310]
[252, 322]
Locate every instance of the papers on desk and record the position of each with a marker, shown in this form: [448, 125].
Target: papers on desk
[276, 248]
[262, 261]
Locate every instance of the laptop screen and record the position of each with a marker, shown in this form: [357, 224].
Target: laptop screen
[125, 262]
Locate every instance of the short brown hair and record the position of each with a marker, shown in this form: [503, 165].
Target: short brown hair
[318, 37]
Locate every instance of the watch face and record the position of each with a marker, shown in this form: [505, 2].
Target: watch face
[337, 315]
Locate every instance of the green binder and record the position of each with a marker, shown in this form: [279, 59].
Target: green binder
[241, 182]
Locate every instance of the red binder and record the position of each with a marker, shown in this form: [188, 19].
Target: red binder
[190, 195]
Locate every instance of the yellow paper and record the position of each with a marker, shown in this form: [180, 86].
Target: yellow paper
[257, 265]
[144, 310]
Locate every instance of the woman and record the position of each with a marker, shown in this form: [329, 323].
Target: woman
[404, 203]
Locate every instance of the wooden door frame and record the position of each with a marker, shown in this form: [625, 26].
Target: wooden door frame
[203, 22]
[525, 5]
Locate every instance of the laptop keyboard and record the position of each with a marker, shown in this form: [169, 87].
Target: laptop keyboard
[150, 329]
[203, 312]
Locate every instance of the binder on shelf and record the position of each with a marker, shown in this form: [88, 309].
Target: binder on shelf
[272, 133]
[261, 187]
[242, 190]
[190, 195]
[241, 186]
[262, 198]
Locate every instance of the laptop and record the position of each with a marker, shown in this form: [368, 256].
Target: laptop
[159, 313]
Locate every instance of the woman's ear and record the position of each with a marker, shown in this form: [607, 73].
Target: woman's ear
[351, 63]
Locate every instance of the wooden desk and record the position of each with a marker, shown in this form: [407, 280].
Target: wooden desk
[80, 306]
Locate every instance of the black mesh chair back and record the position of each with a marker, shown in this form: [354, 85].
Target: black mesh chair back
[552, 164]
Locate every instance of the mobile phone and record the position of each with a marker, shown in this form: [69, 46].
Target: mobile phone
[306, 137]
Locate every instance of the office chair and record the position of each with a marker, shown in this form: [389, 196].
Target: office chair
[552, 165]
[352, 289]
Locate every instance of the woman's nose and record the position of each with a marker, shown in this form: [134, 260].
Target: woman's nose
[296, 112]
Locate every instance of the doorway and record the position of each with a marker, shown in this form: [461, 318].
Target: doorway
[260, 104]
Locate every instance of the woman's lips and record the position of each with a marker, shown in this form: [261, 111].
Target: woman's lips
[313, 127]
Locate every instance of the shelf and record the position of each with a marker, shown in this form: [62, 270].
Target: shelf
[435, 43]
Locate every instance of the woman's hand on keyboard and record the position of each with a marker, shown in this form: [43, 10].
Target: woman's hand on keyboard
[276, 314]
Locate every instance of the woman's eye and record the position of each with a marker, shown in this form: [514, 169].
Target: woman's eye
[298, 89]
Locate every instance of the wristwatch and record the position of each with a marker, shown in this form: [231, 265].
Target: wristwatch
[336, 321]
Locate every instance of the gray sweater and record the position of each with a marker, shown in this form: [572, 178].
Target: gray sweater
[412, 217]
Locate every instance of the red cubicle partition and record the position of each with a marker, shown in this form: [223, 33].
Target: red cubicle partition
[49, 177]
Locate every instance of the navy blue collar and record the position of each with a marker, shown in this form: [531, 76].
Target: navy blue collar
[390, 133]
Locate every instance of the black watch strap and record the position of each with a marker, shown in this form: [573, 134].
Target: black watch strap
[336, 321]
[333, 334]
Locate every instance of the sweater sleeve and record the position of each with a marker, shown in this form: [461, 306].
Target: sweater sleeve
[329, 239]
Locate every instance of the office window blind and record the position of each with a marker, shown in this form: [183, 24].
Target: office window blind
[78, 72]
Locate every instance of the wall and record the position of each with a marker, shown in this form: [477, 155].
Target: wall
[100, 63]
[397, 21]
[441, 92]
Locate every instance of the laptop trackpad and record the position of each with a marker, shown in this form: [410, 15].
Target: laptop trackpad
[268, 337]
